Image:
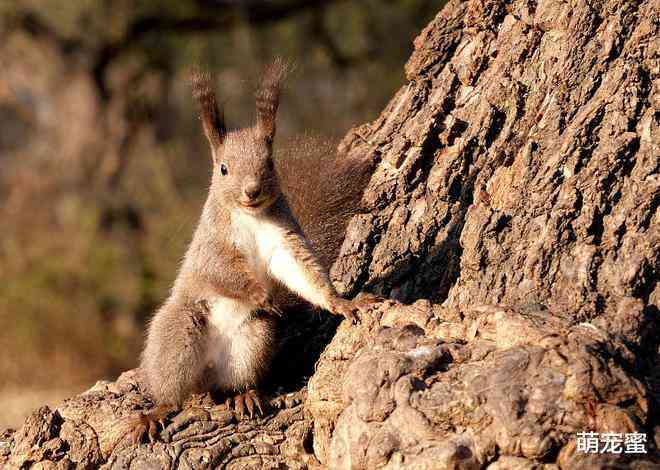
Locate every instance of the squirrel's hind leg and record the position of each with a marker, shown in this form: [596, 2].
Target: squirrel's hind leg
[174, 360]
[173, 363]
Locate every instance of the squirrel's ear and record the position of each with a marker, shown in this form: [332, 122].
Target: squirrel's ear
[213, 119]
[268, 97]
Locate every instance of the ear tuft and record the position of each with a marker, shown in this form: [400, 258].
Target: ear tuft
[268, 96]
[212, 117]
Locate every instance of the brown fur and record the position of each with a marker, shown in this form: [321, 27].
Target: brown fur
[223, 294]
[323, 189]
[213, 120]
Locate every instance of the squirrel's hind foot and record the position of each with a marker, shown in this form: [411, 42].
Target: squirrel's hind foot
[249, 401]
[147, 423]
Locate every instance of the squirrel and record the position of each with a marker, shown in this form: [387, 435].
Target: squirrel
[216, 329]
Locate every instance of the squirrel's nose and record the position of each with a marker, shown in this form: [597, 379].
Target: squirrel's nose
[252, 190]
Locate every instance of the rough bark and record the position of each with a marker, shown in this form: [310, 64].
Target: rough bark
[515, 211]
[423, 386]
[519, 164]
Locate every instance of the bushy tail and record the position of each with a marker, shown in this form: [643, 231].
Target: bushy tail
[323, 189]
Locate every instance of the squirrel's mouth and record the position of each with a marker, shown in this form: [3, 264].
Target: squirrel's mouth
[260, 203]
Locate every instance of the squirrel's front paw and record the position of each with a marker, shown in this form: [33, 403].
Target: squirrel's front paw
[350, 308]
[345, 308]
[366, 300]
[263, 300]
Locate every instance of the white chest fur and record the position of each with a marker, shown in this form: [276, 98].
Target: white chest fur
[235, 338]
[257, 238]
[264, 243]
[236, 341]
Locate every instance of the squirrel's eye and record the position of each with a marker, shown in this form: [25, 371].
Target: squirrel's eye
[223, 169]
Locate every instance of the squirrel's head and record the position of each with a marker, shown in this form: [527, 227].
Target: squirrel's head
[244, 176]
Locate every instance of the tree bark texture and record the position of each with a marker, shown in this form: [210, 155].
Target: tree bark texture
[519, 164]
[513, 221]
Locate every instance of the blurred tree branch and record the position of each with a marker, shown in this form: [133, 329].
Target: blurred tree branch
[98, 55]
[31, 23]
[219, 15]
[213, 15]
[325, 39]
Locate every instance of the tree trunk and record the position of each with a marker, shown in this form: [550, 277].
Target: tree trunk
[514, 216]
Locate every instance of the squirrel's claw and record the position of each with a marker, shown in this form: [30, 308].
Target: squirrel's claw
[351, 308]
[153, 431]
[263, 300]
[257, 401]
[352, 317]
[272, 309]
[345, 308]
[249, 401]
[239, 406]
[249, 404]
[137, 433]
[147, 423]
[367, 299]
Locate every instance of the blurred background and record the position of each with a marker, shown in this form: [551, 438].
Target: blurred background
[103, 166]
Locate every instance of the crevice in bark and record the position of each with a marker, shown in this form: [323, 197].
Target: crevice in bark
[645, 87]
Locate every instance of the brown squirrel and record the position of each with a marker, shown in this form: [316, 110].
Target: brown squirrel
[216, 330]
